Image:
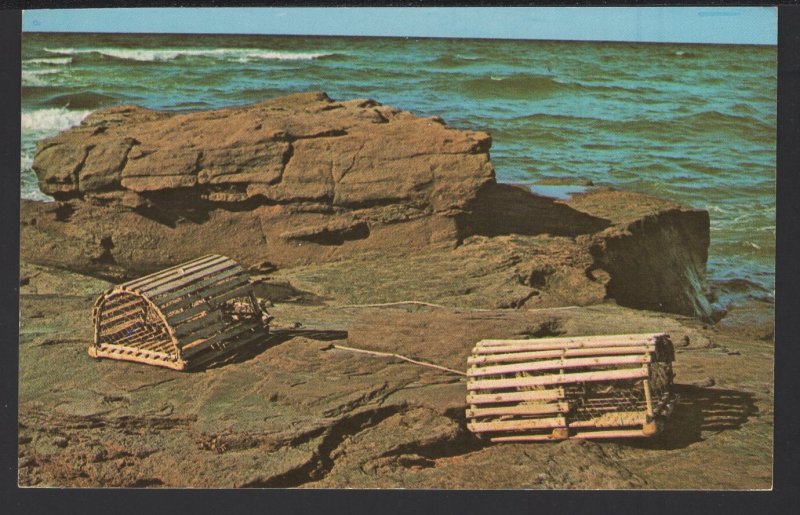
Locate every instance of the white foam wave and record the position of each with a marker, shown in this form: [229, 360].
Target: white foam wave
[149, 55]
[33, 193]
[48, 60]
[34, 77]
[51, 121]
[29, 187]
[25, 161]
[45, 71]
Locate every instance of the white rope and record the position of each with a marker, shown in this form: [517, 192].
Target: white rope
[398, 356]
[399, 303]
[420, 303]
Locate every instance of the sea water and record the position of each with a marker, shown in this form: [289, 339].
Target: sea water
[691, 123]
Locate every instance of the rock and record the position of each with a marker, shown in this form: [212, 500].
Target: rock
[305, 179]
[704, 383]
[297, 412]
[655, 253]
[292, 149]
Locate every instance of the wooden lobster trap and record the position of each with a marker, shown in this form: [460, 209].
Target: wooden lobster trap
[180, 317]
[558, 388]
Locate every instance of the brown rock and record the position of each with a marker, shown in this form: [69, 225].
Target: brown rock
[304, 179]
[292, 149]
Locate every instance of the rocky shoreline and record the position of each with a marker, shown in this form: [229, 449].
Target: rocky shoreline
[334, 205]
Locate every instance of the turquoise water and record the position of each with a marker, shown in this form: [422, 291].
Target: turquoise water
[692, 123]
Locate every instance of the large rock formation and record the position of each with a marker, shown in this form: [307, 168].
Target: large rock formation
[305, 179]
[296, 149]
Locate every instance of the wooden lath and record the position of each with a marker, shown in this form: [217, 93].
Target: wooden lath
[609, 386]
[178, 317]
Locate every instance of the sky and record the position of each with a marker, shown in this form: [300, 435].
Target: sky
[731, 25]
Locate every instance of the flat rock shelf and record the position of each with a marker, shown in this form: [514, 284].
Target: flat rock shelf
[558, 388]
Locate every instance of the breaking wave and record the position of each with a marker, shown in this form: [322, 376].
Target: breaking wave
[36, 77]
[52, 120]
[153, 55]
[48, 60]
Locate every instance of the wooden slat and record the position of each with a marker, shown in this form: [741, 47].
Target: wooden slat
[183, 316]
[189, 266]
[205, 331]
[647, 398]
[201, 358]
[122, 322]
[614, 433]
[106, 321]
[551, 379]
[182, 324]
[235, 330]
[627, 338]
[165, 297]
[106, 316]
[166, 272]
[113, 347]
[168, 291]
[113, 308]
[241, 291]
[173, 283]
[218, 296]
[156, 344]
[214, 286]
[521, 409]
[536, 395]
[230, 333]
[526, 347]
[149, 335]
[612, 419]
[556, 364]
[517, 425]
[530, 356]
[122, 327]
[214, 320]
[140, 336]
[546, 437]
[169, 363]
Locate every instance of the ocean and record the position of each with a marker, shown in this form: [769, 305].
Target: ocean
[691, 123]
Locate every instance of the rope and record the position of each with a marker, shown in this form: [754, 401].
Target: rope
[420, 303]
[398, 356]
[400, 303]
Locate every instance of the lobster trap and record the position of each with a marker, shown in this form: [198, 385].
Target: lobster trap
[558, 388]
[180, 317]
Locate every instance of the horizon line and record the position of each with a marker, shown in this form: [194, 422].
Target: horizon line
[252, 34]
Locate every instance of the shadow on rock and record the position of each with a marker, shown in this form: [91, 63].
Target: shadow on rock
[275, 338]
[282, 291]
[501, 209]
[701, 410]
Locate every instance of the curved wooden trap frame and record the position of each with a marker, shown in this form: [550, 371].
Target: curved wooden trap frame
[180, 317]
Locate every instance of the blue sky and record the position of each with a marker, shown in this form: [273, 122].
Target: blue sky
[743, 25]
